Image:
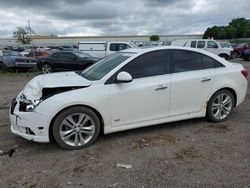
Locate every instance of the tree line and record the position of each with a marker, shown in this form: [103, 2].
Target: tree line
[237, 28]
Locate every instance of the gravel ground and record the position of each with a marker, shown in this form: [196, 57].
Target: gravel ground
[192, 153]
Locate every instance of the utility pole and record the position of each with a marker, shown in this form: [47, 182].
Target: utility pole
[30, 32]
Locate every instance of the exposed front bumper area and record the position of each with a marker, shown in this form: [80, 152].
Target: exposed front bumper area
[29, 125]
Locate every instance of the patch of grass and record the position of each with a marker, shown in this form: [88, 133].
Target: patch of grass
[19, 74]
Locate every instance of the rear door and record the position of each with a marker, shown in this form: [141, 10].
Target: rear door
[192, 78]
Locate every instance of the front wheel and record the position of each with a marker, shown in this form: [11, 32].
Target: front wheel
[220, 106]
[46, 68]
[224, 56]
[76, 128]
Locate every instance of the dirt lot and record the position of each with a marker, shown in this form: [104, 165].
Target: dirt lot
[193, 153]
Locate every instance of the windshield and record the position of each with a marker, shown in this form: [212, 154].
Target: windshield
[104, 66]
[81, 54]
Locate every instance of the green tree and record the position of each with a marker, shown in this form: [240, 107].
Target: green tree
[211, 32]
[23, 34]
[239, 25]
[154, 38]
[237, 28]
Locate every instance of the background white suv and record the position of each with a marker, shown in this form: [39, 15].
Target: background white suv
[206, 44]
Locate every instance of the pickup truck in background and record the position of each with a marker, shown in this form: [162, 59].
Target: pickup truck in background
[103, 48]
[206, 44]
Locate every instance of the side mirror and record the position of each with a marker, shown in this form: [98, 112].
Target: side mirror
[123, 77]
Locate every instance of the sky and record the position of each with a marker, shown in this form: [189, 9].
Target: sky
[118, 17]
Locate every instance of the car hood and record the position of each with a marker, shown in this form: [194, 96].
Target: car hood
[34, 88]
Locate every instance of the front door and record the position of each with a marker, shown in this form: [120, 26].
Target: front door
[212, 47]
[146, 98]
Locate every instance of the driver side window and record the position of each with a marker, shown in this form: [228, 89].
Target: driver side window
[211, 44]
[146, 65]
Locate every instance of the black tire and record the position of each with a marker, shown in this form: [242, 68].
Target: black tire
[3, 67]
[225, 56]
[59, 128]
[211, 108]
[46, 68]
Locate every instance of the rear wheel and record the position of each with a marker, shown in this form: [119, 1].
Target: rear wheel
[46, 68]
[220, 106]
[76, 128]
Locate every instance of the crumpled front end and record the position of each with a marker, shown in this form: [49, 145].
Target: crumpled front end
[26, 120]
[29, 125]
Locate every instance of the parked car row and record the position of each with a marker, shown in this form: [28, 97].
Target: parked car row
[14, 60]
[66, 58]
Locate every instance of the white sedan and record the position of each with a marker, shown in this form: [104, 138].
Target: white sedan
[129, 89]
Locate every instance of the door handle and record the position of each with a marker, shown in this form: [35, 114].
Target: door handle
[161, 87]
[206, 79]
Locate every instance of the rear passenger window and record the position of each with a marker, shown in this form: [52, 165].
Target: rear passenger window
[146, 65]
[208, 62]
[193, 44]
[183, 60]
[201, 44]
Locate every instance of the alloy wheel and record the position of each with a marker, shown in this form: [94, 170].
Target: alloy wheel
[46, 69]
[77, 129]
[222, 105]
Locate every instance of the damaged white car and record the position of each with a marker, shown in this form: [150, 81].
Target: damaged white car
[129, 89]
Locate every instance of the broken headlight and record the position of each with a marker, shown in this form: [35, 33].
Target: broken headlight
[28, 105]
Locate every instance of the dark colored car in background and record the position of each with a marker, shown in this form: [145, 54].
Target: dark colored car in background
[66, 61]
[246, 55]
[238, 50]
[15, 61]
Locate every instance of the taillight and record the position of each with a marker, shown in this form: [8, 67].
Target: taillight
[244, 72]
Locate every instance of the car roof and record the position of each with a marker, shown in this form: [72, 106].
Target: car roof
[145, 50]
[148, 49]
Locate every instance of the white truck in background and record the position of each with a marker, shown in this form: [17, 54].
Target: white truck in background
[206, 44]
[104, 48]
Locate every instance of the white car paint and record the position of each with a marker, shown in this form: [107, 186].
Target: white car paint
[123, 106]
